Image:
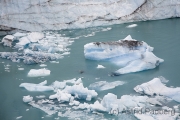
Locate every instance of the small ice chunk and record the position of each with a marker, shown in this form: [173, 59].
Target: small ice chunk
[20, 68]
[36, 87]
[74, 81]
[27, 98]
[61, 96]
[80, 92]
[40, 96]
[19, 117]
[132, 25]
[38, 72]
[103, 85]
[58, 85]
[42, 65]
[35, 36]
[27, 109]
[100, 67]
[74, 102]
[18, 35]
[54, 61]
[7, 40]
[22, 42]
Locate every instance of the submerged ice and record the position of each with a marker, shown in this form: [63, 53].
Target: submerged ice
[132, 55]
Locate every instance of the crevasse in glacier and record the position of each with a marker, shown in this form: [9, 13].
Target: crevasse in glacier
[33, 15]
[132, 55]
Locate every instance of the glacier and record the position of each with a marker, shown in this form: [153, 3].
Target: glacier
[32, 15]
[128, 53]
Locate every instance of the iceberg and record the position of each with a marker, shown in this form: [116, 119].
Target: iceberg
[38, 72]
[61, 96]
[100, 67]
[156, 87]
[130, 54]
[27, 98]
[80, 92]
[132, 25]
[103, 85]
[37, 87]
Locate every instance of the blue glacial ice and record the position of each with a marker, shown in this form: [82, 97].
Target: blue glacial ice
[36, 47]
[130, 54]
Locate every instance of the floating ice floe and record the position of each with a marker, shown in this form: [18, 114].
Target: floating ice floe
[36, 47]
[27, 98]
[100, 67]
[132, 25]
[132, 55]
[36, 87]
[19, 117]
[156, 87]
[38, 72]
[20, 68]
[103, 85]
[42, 65]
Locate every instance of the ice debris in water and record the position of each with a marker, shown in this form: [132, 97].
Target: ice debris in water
[100, 67]
[38, 72]
[130, 54]
[132, 25]
[36, 47]
[27, 98]
[103, 85]
[156, 87]
[37, 87]
[19, 117]
[68, 101]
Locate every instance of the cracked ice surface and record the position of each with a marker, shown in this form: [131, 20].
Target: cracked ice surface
[32, 15]
[132, 55]
[36, 47]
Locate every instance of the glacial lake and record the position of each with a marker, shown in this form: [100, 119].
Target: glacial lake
[163, 35]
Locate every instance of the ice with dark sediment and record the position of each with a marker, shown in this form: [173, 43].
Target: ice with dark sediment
[36, 47]
[130, 54]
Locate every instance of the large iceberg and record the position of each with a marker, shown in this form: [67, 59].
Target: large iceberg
[156, 87]
[36, 47]
[128, 53]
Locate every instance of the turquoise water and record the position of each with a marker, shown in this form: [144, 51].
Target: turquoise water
[163, 35]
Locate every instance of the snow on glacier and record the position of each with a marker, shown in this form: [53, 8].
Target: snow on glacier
[156, 87]
[36, 47]
[132, 55]
[38, 72]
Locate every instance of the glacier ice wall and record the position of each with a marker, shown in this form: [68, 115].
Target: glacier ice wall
[37, 15]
